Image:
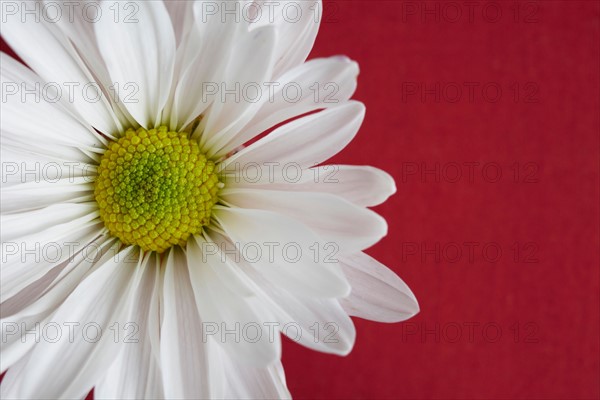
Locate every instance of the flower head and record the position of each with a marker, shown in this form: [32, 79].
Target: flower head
[182, 242]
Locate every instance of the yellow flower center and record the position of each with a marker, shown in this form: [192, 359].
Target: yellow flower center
[155, 188]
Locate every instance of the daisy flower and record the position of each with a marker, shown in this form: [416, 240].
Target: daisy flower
[166, 213]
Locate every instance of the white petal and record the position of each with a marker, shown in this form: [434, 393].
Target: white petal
[251, 382]
[323, 324]
[225, 310]
[228, 272]
[17, 225]
[43, 192]
[184, 355]
[285, 251]
[364, 186]
[100, 299]
[48, 299]
[24, 96]
[378, 294]
[250, 63]
[202, 58]
[58, 282]
[15, 344]
[29, 258]
[22, 164]
[57, 276]
[320, 83]
[307, 141]
[140, 54]
[350, 227]
[44, 47]
[182, 17]
[31, 292]
[320, 324]
[12, 380]
[135, 374]
[297, 24]
[77, 23]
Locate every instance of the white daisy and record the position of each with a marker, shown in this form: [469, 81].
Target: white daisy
[163, 259]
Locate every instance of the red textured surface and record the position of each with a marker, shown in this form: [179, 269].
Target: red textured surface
[554, 301]
[542, 292]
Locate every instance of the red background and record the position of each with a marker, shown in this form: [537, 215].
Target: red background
[527, 324]
[554, 46]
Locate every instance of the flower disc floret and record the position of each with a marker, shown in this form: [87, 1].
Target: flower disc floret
[155, 188]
